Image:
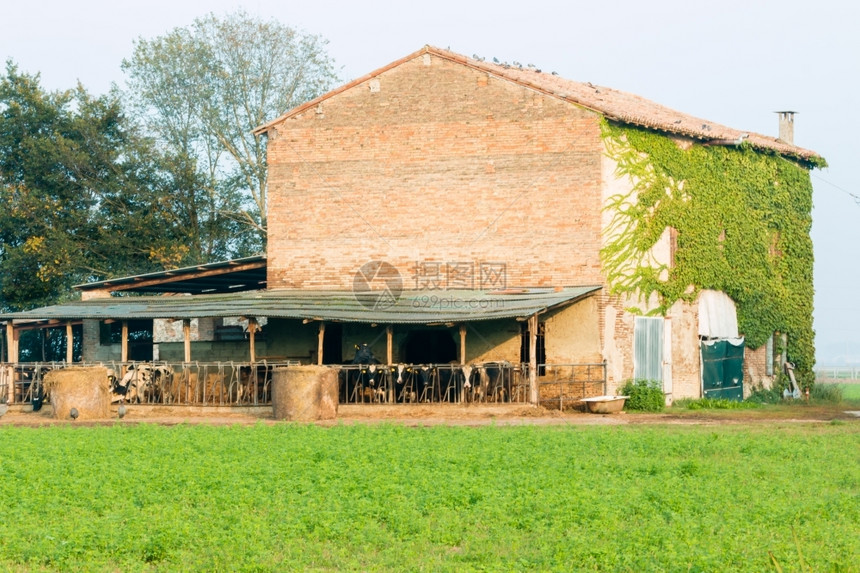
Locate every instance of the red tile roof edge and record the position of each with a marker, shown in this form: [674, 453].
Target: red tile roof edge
[613, 104]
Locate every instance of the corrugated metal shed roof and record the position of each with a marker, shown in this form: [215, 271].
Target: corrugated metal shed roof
[235, 275]
[410, 307]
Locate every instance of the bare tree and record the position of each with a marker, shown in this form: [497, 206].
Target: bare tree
[202, 90]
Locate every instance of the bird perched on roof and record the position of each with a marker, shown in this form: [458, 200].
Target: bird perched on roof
[74, 413]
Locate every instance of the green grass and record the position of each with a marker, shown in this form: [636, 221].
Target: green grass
[384, 497]
[851, 392]
[844, 391]
[714, 404]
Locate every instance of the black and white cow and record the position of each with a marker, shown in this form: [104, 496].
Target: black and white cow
[426, 388]
[366, 383]
[401, 377]
[471, 391]
[364, 355]
[498, 378]
[371, 383]
[455, 382]
[142, 383]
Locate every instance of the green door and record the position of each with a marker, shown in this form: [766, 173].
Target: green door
[723, 369]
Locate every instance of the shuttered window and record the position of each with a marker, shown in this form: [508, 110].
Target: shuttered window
[648, 348]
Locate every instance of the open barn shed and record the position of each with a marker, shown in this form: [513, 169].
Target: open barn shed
[200, 325]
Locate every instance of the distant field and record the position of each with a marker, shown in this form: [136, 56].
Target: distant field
[828, 373]
[850, 388]
[287, 497]
[851, 391]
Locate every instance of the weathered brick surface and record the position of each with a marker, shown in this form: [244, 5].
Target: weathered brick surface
[755, 369]
[443, 163]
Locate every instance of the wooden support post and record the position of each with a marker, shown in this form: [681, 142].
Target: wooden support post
[11, 343]
[186, 335]
[320, 344]
[12, 358]
[7, 381]
[534, 395]
[389, 355]
[69, 344]
[124, 343]
[462, 344]
[389, 344]
[252, 338]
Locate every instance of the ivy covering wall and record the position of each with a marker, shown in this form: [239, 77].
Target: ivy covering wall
[741, 217]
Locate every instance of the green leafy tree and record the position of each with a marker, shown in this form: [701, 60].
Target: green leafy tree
[200, 91]
[82, 195]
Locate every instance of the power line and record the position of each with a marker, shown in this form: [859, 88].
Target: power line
[835, 186]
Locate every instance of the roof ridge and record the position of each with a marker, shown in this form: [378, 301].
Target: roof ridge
[614, 104]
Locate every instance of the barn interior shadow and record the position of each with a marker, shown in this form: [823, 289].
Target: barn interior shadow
[429, 347]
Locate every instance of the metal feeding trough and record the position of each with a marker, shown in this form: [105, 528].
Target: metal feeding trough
[605, 404]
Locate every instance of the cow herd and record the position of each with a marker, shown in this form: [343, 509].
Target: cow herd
[218, 384]
[367, 381]
[359, 383]
[160, 383]
[363, 381]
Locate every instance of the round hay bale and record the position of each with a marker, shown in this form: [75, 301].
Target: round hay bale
[304, 393]
[85, 389]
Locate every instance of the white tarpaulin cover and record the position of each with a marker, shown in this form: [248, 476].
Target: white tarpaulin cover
[717, 315]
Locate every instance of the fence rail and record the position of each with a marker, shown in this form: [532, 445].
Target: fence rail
[565, 385]
[249, 384]
[488, 382]
[825, 373]
[196, 383]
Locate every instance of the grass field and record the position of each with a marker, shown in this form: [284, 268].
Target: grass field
[851, 392]
[386, 497]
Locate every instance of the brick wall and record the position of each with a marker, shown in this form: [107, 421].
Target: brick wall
[755, 369]
[438, 162]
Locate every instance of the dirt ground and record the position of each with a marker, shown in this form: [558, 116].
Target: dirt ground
[442, 414]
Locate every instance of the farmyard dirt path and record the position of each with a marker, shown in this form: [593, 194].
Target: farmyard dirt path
[454, 415]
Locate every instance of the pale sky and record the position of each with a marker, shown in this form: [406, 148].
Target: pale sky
[733, 62]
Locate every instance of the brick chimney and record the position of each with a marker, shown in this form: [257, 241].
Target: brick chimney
[786, 126]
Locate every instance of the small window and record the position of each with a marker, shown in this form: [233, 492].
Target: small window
[769, 356]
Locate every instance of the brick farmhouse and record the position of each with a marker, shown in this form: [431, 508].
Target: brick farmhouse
[464, 205]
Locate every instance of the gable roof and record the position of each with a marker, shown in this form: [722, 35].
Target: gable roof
[613, 104]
